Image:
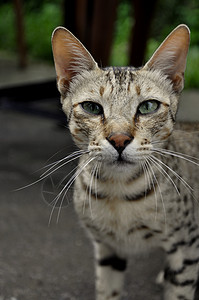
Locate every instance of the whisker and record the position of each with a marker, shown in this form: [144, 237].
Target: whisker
[154, 188]
[76, 167]
[51, 157]
[67, 186]
[71, 156]
[90, 188]
[98, 164]
[95, 180]
[162, 200]
[145, 176]
[69, 183]
[190, 189]
[164, 173]
[45, 174]
[177, 154]
[58, 161]
[57, 186]
[178, 139]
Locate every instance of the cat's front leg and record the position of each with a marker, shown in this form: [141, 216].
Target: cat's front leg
[181, 273]
[109, 273]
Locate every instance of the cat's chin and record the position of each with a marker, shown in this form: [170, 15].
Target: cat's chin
[122, 164]
[119, 169]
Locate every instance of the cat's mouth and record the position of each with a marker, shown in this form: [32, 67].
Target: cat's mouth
[122, 162]
[119, 160]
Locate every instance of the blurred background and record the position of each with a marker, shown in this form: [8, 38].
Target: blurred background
[37, 261]
[116, 32]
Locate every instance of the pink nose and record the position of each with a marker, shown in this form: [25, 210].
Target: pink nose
[119, 141]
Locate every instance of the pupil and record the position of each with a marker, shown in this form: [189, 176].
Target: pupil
[93, 107]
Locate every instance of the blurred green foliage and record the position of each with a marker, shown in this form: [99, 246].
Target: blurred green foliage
[167, 16]
[42, 16]
[7, 33]
[122, 34]
[39, 27]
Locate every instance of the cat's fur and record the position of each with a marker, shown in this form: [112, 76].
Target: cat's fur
[131, 189]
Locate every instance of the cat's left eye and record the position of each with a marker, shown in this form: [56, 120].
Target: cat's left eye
[148, 107]
[92, 108]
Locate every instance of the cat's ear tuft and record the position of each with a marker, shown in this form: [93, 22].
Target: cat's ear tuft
[171, 56]
[70, 57]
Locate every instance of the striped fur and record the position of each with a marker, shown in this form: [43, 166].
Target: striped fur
[134, 196]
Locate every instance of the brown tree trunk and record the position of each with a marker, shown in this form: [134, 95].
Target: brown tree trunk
[92, 21]
[102, 30]
[20, 33]
[143, 13]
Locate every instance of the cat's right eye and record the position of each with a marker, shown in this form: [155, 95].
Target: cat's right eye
[148, 107]
[92, 108]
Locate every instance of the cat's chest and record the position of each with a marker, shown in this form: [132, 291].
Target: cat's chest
[132, 224]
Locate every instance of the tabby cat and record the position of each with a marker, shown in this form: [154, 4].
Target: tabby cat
[131, 189]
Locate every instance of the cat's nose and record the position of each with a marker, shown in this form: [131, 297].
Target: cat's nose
[119, 141]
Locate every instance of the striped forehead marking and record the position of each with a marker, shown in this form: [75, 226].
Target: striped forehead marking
[120, 77]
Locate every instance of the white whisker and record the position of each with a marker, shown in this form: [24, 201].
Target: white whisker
[145, 176]
[90, 188]
[69, 183]
[190, 189]
[154, 187]
[160, 192]
[164, 173]
[71, 157]
[95, 183]
[45, 174]
[58, 161]
[177, 154]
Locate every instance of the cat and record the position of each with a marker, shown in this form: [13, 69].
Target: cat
[131, 189]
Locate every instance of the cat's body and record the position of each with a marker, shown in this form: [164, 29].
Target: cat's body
[131, 192]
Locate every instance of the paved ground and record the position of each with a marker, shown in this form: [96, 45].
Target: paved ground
[11, 74]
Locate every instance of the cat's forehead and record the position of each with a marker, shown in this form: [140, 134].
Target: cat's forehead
[137, 82]
[119, 75]
[117, 81]
[120, 84]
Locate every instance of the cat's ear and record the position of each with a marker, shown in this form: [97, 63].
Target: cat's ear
[70, 57]
[171, 56]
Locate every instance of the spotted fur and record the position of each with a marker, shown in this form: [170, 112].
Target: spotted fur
[131, 192]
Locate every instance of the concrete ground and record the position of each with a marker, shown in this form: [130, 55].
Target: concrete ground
[39, 261]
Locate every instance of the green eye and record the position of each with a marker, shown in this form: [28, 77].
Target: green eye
[92, 108]
[148, 107]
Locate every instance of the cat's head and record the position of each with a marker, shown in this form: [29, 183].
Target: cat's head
[118, 114]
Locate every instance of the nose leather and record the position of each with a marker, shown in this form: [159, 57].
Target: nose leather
[119, 141]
